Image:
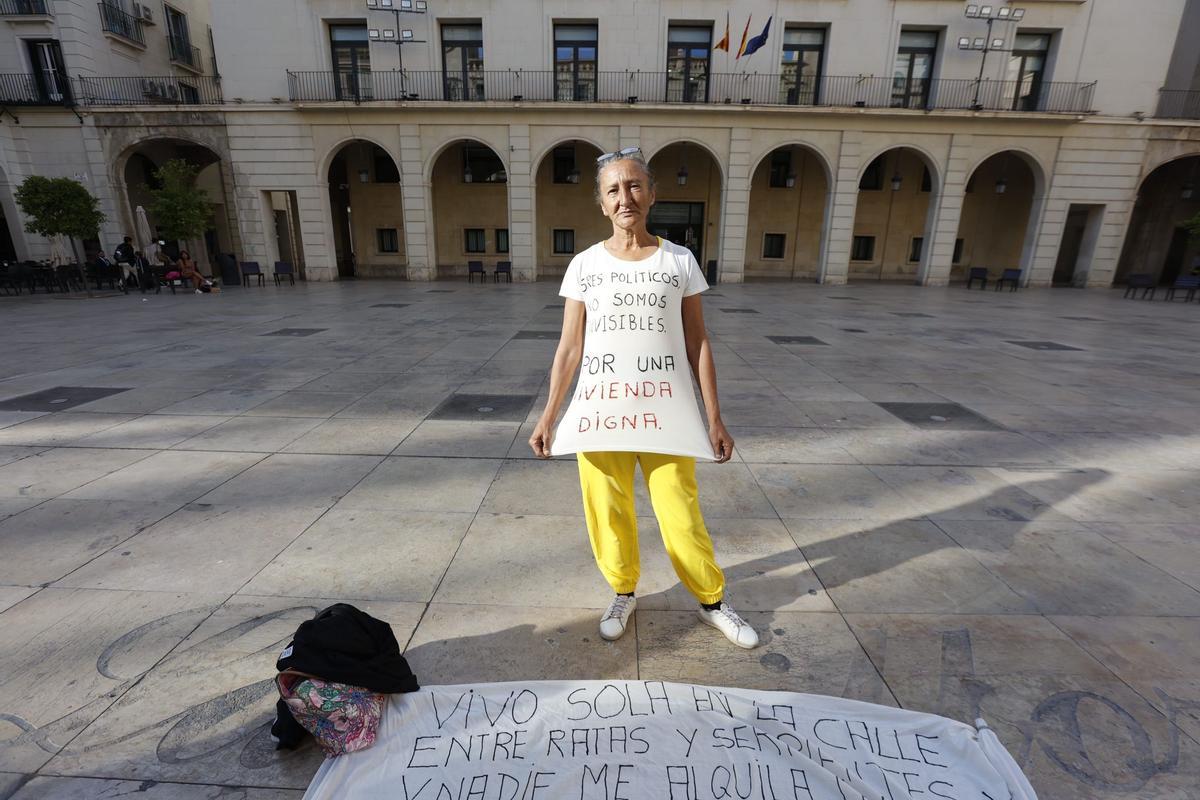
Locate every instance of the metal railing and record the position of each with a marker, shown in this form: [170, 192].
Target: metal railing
[184, 52]
[114, 20]
[1178, 104]
[150, 91]
[22, 89]
[668, 87]
[24, 8]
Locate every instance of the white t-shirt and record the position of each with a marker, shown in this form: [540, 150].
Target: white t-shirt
[634, 391]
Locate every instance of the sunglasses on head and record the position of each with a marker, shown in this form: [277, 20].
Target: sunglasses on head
[622, 153]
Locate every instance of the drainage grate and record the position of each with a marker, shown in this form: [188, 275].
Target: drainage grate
[797, 340]
[1044, 345]
[940, 416]
[295, 332]
[485, 407]
[541, 336]
[59, 398]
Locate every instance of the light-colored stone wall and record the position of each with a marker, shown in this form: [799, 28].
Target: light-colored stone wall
[797, 212]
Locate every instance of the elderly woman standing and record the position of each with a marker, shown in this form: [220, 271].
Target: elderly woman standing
[632, 319]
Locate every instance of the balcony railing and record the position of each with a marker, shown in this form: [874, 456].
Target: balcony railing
[116, 21]
[20, 89]
[1178, 104]
[713, 89]
[184, 53]
[156, 91]
[24, 8]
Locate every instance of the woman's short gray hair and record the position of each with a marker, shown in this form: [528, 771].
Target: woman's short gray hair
[634, 157]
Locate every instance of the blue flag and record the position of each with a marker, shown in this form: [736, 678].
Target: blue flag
[758, 41]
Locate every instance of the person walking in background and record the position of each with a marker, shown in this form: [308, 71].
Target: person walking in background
[124, 255]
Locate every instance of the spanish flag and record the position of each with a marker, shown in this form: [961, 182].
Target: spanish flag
[724, 43]
[745, 33]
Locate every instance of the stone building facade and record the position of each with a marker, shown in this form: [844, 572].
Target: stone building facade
[860, 140]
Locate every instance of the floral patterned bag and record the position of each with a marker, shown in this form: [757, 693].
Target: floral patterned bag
[340, 717]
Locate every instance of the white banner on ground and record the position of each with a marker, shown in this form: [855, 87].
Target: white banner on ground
[650, 740]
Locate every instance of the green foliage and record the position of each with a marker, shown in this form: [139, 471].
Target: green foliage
[179, 209]
[1193, 226]
[58, 207]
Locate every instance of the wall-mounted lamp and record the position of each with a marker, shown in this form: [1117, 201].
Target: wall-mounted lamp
[896, 181]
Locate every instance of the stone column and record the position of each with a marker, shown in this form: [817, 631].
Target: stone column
[735, 208]
[941, 225]
[839, 229]
[520, 204]
[417, 198]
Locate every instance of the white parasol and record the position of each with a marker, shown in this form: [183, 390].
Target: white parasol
[145, 236]
[60, 254]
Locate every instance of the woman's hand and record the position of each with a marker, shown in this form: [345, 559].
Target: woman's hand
[542, 438]
[722, 442]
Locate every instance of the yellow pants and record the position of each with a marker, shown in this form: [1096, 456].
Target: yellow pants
[607, 483]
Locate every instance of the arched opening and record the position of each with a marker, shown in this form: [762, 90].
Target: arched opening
[220, 235]
[995, 220]
[10, 231]
[891, 220]
[470, 206]
[568, 218]
[687, 205]
[1157, 242]
[788, 193]
[366, 203]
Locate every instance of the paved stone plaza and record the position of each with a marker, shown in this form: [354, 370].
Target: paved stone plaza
[968, 503]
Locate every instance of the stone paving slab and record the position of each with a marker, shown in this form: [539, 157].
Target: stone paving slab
[1043, 573]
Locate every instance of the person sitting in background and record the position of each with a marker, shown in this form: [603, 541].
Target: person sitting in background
[189, 271]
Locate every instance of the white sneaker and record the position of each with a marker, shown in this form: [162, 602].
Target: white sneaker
[727, 621]
[612, 624]
[199, 292]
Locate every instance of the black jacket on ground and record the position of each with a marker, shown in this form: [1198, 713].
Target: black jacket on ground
[342, 644]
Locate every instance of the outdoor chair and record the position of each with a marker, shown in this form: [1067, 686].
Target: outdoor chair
[6, 280]
[1011, 276]
[20, 275]
[476, 268]
[283, 269]
[1140, 280]
[98, 274]
[251, 268]
[977, 274]
[1188, 283]
[502, 268]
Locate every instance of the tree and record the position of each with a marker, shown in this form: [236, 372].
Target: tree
[59, 207]
[179, 209]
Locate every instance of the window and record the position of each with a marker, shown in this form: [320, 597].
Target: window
[564, 241]
[188, 94]
[385, 168]
[688, 49]
[1026, 69]
[914, 249]
[958, 251]
[926, 181]
[476, 241]
[462, 62]
[773, 244]
[564, 165]
[49, 74]
[913, 73]
[803, 60]
[575, 62]
[863, 248]
[351, 53]
[482, 165]
[781, 168]
[179, 41]
[501, 240]
[872, 179]
[389, 240]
